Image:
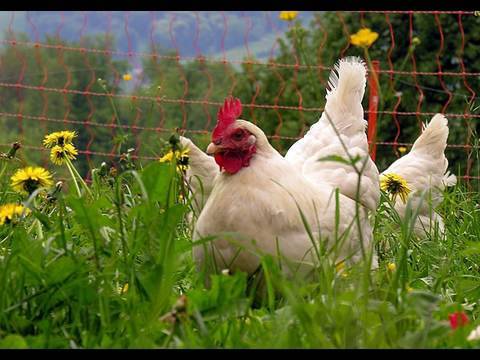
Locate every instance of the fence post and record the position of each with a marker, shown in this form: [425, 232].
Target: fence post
[372, 109]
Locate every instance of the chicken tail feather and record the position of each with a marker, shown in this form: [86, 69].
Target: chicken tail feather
[347, 87]
[434, 136]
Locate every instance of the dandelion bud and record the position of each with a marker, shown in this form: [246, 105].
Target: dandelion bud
[103, 169]
[126, 157]
[102, 83]
[169, 317]
[180, 304]
[58, 186]
[113, 171]
[416, 41]
[391, 266]
[174, 140]
[51, 196]
[13, 150]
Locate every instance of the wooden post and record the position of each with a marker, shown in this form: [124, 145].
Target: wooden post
[372, 109]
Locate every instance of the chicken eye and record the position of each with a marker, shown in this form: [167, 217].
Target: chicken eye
[238, 135]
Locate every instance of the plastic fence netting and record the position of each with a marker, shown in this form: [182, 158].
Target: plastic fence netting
[137, 77]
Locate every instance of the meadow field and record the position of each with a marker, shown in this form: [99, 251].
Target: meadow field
[109, 265]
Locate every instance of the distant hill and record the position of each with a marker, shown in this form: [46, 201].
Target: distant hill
[192, 33]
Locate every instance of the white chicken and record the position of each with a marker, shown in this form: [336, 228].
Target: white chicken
[424, 169]
[256, 197]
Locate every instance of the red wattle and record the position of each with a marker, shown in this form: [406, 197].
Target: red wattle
[232, 162]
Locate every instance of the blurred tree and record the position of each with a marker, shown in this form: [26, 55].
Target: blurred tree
[174, 81]
[56, 68]
[326, 39]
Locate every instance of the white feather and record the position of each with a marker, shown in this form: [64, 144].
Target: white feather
[345, 115]
[200, 174]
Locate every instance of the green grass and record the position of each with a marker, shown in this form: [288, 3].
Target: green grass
[61, 287]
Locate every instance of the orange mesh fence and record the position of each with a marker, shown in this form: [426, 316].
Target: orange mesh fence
[183, 64]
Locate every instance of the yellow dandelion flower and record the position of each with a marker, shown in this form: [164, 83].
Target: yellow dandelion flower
[123, 289]
[340, 269]
[59, 154]
[180, 156]
[127, 77]
[27, 180]
[391, 267]
[340, 266]
[364, 38]
[10, 212]
[288, 15]
[395, 185]
[59, 138]
[168, 157]
[402, 149]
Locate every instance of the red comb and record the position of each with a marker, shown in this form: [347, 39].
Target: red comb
[231, 110]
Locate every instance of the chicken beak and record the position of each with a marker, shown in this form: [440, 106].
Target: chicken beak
[212, 149]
